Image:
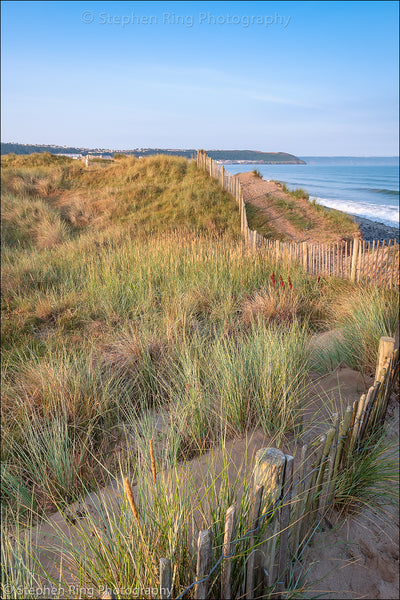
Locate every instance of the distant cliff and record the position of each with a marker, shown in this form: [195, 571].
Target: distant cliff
[231, 156]
[257, 157]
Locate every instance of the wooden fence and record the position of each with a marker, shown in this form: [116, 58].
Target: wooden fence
[288, 506]
[374, 263]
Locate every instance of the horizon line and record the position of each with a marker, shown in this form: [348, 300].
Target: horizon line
[214, 150]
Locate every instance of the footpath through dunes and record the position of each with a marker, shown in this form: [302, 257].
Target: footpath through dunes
[278, 214]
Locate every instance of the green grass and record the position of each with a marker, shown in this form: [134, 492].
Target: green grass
[338, 221]
[257, 221]
[296, 193]
[370, 477]
[363, 316]
[294, 214]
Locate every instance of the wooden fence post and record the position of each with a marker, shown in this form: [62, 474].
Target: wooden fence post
[300, 500]
[204, 561]
[165, 578]
[358, 420]
[228, 551]
[269, 472]
[356, 243]
[330, 435]
[305, 253]
[283, 572]
[386, 347]
[343, 431]
[252, 571]
[331, 461]
[369, 404]
[391, 382]
[316, 463]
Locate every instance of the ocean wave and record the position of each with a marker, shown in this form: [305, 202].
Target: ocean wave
[386, 192]
[389, 215]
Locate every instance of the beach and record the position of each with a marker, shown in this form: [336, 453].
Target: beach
[371, 230]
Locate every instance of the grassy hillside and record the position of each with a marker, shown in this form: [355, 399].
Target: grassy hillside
[155, 194]
[127, 292]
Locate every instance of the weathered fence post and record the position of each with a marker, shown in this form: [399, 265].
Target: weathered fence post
[369, 404]
[269, 472]
[228, 551]
[204, 560]
[391, 381]
[305, 252]
[386, 347]
[331, 461]
[165, 578]
[356, 243]
[330, 435]
[343, 432]
[283, 571]
[316, 463]
[252, 569]
[358, 420]
[300, 499]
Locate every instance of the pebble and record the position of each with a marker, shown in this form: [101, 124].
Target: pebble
[371, 230]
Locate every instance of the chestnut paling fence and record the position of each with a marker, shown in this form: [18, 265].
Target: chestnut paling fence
[375, 263]
[288, 503]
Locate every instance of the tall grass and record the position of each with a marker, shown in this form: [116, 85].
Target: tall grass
[296, 193]
[362, 316]
[370, 477]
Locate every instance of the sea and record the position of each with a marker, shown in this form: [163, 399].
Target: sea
[366, 187]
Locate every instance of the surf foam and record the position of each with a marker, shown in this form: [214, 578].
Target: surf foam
[388, 215]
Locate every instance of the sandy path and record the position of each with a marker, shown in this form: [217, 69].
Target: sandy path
[255, 192]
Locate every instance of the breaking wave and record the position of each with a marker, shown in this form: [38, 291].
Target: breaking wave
[389, 215]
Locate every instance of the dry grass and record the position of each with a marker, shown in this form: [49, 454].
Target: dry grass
[269, 305]
[49, 232]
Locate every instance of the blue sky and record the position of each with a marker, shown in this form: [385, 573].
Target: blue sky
[309, 78]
